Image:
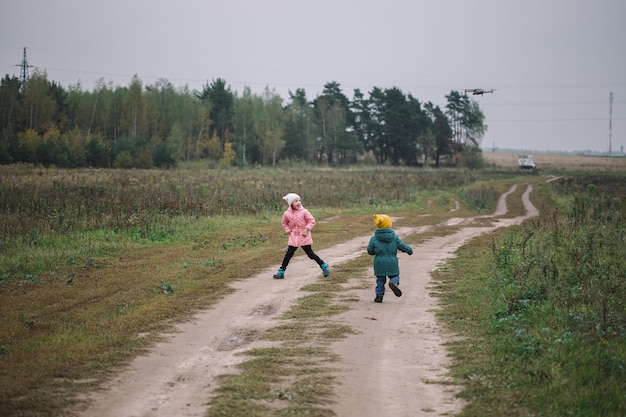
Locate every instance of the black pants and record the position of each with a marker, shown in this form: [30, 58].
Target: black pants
[307, 249]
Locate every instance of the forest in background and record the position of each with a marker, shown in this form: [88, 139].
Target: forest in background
[159, 125]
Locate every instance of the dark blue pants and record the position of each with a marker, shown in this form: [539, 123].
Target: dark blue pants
[381, 280]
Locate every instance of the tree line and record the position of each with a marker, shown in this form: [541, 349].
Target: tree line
[159, 125]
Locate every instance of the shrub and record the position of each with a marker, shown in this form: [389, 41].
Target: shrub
[480, 199]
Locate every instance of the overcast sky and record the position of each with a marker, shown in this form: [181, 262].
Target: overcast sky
[553, 62]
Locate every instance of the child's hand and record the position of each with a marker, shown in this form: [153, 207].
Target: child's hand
[304, 232]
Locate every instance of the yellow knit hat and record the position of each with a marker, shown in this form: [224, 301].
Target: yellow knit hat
[382, 221]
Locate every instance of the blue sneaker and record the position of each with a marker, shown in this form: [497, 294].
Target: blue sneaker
[280, 274]
[325, 269]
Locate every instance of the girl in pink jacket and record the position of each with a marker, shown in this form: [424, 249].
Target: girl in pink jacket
[298, 222]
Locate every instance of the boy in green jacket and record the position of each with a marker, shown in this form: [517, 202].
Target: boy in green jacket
[384, 245]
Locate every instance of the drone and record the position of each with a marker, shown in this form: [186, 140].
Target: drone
[478, 91]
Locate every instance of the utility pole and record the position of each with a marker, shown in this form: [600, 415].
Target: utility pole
[24, 66]
[610, 121]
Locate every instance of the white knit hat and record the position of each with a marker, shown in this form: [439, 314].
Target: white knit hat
[290, 197]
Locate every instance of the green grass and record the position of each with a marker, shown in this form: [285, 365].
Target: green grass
[540, 309]
[81, 298]
[77, 304]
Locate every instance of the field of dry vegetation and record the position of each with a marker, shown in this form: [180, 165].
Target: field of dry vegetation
[89, 259]
[559, 162]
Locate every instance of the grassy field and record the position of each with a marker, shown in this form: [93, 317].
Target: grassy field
[541, 307]
[95, 263]
[527, 363]
[560, 162]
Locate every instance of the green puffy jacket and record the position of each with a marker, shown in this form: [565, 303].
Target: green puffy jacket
[384, 245]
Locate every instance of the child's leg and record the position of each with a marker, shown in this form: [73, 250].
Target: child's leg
[380, 285]
[309, 252]
[395, 280]
[393, 284]
[288, 255]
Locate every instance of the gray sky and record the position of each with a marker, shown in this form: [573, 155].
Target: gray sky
[553, 62]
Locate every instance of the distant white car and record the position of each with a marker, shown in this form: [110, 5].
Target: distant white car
[526, 162]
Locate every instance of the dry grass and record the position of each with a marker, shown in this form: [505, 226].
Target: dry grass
[560, 162]
[79, 302]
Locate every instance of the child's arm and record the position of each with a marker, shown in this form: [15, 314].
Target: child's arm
[309, 219]
[404, 247]
[285, 223]
[370, 247]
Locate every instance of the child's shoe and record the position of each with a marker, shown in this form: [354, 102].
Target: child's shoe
[280, 274]
[378, 299]
[325, 269]
[395, 289]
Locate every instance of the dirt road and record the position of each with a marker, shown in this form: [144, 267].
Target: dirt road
[395, 365]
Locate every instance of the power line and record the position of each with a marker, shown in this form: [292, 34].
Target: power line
[581, 119]
[552, 103]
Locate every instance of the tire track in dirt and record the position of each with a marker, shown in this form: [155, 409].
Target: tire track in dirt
[390, 368]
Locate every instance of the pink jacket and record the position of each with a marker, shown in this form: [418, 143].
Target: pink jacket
[294, 222]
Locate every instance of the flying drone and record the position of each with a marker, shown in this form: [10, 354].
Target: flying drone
[478, 91]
